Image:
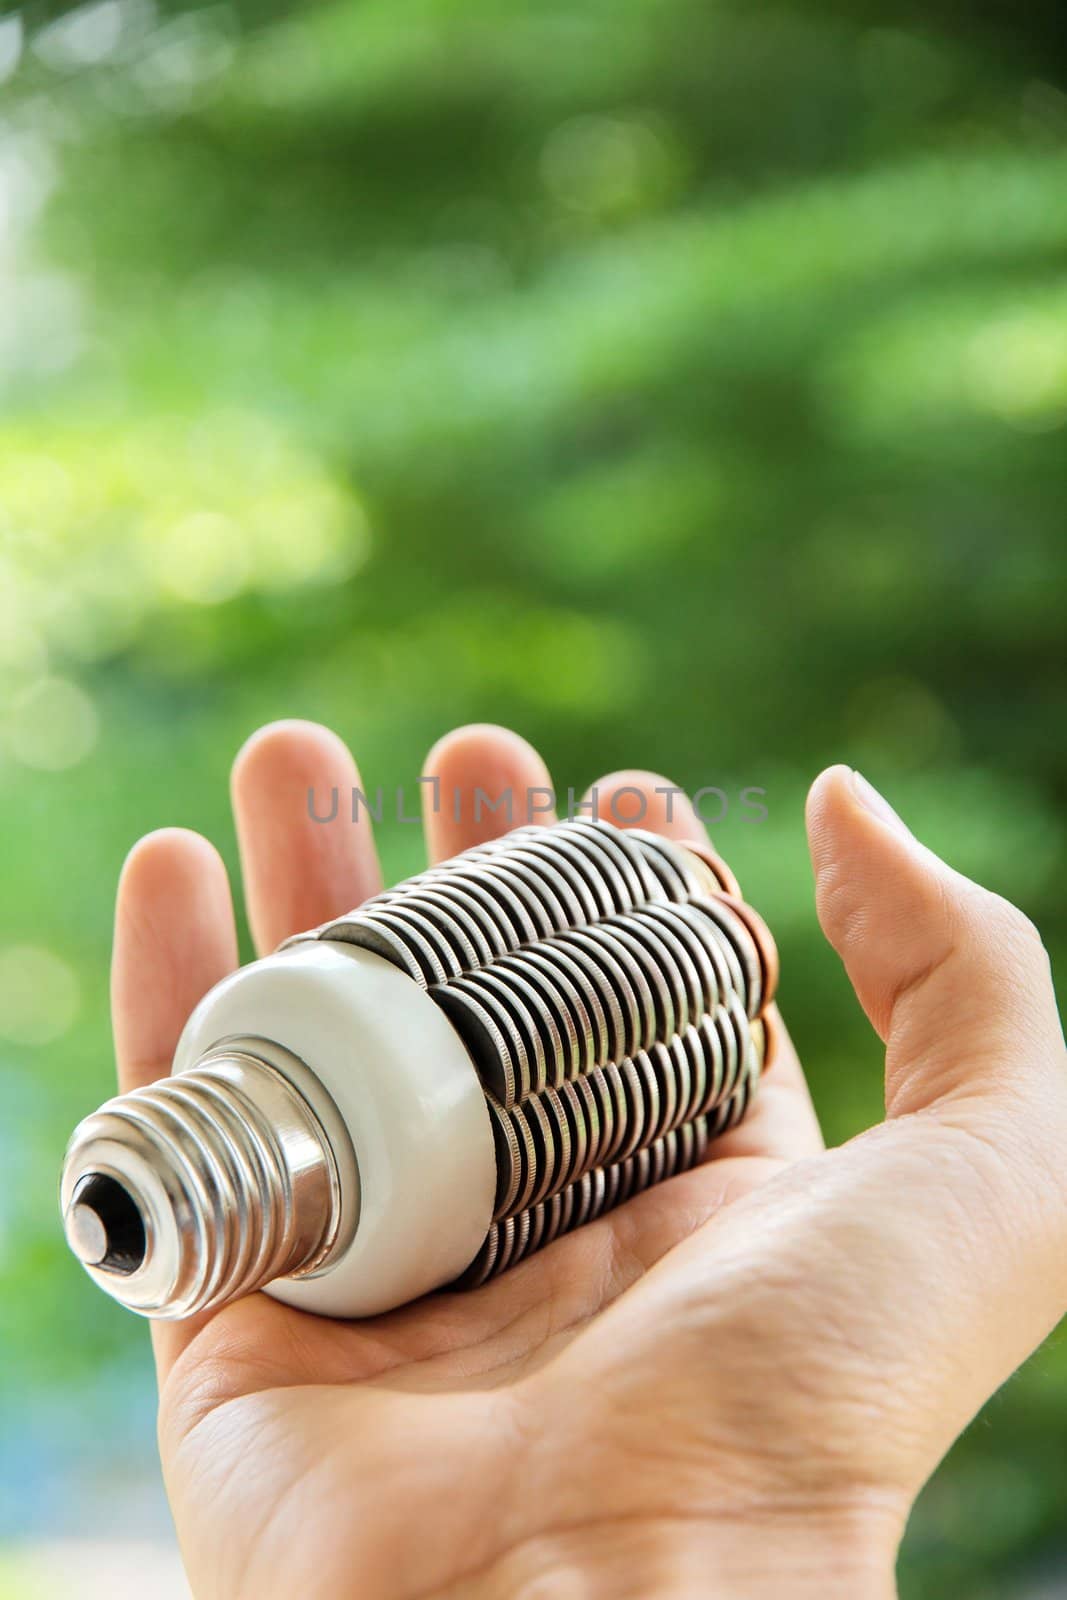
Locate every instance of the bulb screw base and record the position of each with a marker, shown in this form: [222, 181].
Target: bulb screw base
[202, 1187]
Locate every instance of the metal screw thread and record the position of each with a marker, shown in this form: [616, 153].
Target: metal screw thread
[233, 1176]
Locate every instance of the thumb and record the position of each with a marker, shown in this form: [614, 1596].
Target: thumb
[954, 978]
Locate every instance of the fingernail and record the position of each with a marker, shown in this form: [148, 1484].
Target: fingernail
[877, 804]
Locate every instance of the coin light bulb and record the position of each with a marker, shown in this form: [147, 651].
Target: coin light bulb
[430, 1089]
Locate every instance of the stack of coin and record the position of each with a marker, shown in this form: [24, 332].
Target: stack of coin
[611, 988]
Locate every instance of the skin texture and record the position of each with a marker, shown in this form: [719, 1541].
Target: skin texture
[733, 1386]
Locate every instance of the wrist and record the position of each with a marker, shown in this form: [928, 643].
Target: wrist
[782, 1556]
[786, 1555]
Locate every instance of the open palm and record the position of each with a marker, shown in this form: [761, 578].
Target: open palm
[627, 1402]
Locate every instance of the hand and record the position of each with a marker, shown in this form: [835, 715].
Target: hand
[734, 1385]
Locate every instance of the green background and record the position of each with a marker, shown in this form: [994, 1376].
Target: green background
[685, 385]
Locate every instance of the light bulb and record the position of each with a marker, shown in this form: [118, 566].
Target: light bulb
[429, 1089]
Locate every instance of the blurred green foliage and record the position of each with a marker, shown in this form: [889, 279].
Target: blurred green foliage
[683, 384]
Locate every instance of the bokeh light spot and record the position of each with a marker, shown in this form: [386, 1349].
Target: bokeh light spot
[609, 166]
[39, 995]
[1018, 369]
[53, 725]
[204, 558]
[899, 722]
[10, 45]
[83, 38]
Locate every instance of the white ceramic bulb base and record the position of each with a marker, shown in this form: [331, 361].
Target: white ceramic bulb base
[402, 1082]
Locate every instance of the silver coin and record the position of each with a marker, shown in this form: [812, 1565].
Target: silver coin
[627, 1171]
[506, 1246]
[556, 853]
[576, 1025]
[737, 1020]
[466, 943]
[391, 944]
[600, 992]
[688, 957]
[523, 910]
[410, 913]
[597, 1085]
[744, 948]
[549, 1009]
[602, 837]
[483, 1036]
[504, 919]
[742, 1028]
[481, 909]
[607, 1085]
[659, 957]
[474, 942]
[650, 886]
[705, 1067]
[536, 1239]
[721, 1071]
[717, 1040]
[525, 1036]
[506, 841]
[685, 1150]
[546, 1152]
[611, 1187]
[586, 869]
[508, 1159]
[590, 1110]
[716, 1119]
[533, 884]
[749, 1087]
[668, 1148]
[397, 943]
[640, 1165]
[667, 862]
[566, 1209]
[699, 1142]
[666, 919]
[584, 1202]
[562, 903]
[635, 1118]
[432, 952]
[732, 1110]
[562, 1141]
[585, 978]
[717, 916]
[597, 1194]
[553, 1210]
[521, 1247]
[600, 866]
[682, 1080]
[725, 1116]
[727, 975]
[731, 1057]
[517, 1026]
[481, 1267]
[650, 1082]
[682, 1158]
[613, 860]
[578, 1127]
[586, 1207]
[598, 1199]
[662, 1063]
[530, 1179]
[631, 1012]
[580, 1209]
